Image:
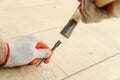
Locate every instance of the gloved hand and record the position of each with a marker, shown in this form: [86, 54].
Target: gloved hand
[26, 50]
[91, 13]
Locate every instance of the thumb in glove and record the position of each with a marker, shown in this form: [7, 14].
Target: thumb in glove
[46, 52]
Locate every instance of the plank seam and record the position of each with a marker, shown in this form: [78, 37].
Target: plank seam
[93, 65]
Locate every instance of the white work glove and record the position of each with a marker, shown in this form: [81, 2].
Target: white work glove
[26, 50]
[91, 13]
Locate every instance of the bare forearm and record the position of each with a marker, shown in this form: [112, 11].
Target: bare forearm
[3, 51]
[117, 8]
[102, 3]
[116, 5]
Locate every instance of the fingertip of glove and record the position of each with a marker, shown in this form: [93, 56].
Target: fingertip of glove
[41, 45]
[79, 0]
[80, 10]
[35, 61]
[38, 45]
[110, 8]
[47, 61]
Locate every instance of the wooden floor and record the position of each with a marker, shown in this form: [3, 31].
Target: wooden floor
[91, 53]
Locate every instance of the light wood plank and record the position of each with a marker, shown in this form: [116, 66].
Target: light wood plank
[21, 20]
[7, 4]
[108, 70]
[43, 72]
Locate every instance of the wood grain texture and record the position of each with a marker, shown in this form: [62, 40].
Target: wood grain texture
[43, 72]
[108, 70]
[102, 3]
[18, 18]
